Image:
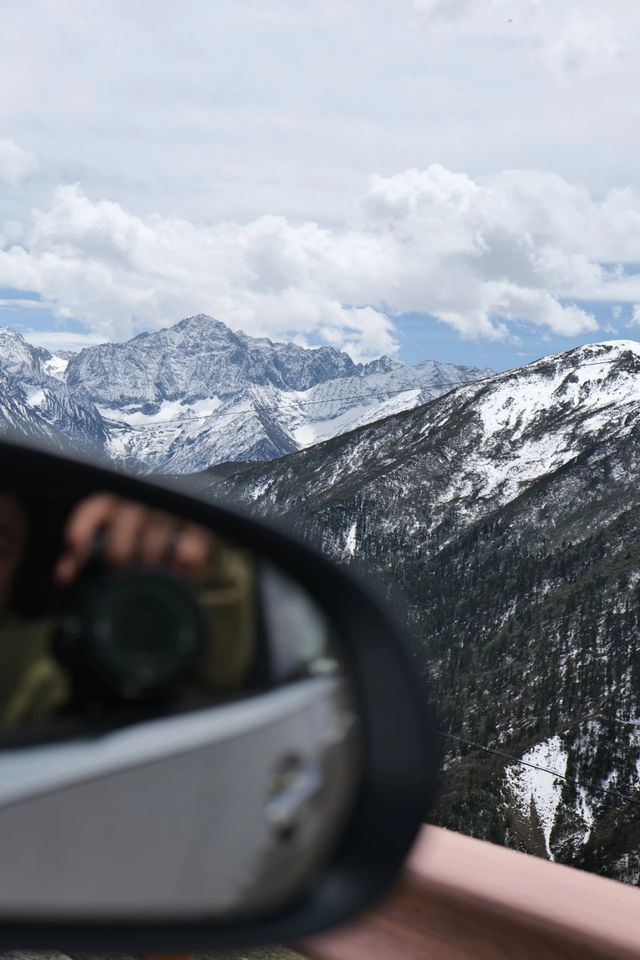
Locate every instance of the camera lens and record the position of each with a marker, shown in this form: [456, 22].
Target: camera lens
[146, 632]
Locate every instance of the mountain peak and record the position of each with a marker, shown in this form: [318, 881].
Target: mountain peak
[383, 364]
[10, 333]
[600, 350]
[198, 358]
[608, 345]
[20, 357]
[200, 320]
[201, 324]
[10, 338]
[225, 395]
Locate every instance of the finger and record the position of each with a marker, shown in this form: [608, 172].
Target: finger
[123, 533]
[192, 548]
[158, 539]
[82, 525]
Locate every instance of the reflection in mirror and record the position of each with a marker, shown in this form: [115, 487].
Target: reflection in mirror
[172, 705]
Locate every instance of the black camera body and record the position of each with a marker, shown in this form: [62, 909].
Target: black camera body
[129, 635]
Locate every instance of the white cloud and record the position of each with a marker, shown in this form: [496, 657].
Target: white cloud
[451, 9]
[635, 316]
[199, 129]
[271, 106]
[569, 37]
[481, 254]
[16, 163]
[582, 45]
[118, 273]
[54, 340]
[21, 303]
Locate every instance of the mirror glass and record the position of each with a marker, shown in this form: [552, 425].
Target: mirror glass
[178, 733]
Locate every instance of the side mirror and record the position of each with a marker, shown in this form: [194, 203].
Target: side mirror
[210, 736]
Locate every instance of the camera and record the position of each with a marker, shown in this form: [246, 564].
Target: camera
[129, 635]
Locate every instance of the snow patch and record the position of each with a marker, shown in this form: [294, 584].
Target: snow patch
[168, 410]
[37, 398]
[258, 489]
[528, 785]
[351, 543]
[56, 366]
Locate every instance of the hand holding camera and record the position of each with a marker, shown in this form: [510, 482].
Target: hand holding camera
[134, 628]
[129, 533]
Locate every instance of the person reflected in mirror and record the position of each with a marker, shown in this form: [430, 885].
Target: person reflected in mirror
[33, 685]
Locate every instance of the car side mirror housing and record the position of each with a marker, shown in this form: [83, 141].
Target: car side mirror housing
[211, 736]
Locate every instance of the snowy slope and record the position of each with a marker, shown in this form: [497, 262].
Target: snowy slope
[471, 451]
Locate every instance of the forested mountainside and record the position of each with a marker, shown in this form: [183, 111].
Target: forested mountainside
[196, 394]
[507, 514]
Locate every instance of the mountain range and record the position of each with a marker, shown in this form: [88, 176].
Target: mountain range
[500, 512]
[506, 515]
[196, 394]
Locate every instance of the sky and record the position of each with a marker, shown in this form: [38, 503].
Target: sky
[445, 179]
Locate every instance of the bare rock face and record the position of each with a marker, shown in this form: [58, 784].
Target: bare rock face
[198, 357]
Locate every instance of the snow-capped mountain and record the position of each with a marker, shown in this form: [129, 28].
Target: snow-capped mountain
[471, 451]
[35, 402]
[198, 357]
[197, 394]
[507, 515]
